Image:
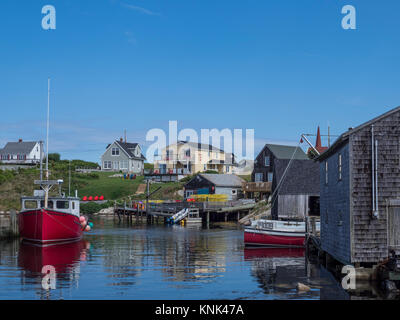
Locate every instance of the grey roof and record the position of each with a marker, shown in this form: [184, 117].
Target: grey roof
[129, 148]
[302, 177]
[201, 146]
[23, 147]
[345, 136]
[286, 152]
[223, 180]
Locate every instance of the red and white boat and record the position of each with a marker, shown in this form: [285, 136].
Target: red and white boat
[275, 233]
[48, 219]
[59, 221]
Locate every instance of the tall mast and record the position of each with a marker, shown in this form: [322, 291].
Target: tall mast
[46, 190]
[47, 131]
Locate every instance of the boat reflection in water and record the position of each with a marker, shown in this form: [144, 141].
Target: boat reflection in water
[64, 257]
[278, 270]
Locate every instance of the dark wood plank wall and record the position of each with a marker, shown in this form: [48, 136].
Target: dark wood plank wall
[259, 164]
[369, 236]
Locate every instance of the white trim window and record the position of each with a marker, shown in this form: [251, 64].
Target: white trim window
[270, 176]
[107, 165]
[267, 161]
[123, 164]
[115, 151]
[258, 177]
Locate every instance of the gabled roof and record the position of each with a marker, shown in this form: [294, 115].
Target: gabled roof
[23, 147]
[200, 146]
[344, 137]
[286, 152]
[302, 177]
[129, 148]
[223, 180]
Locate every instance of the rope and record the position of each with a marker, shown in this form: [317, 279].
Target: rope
[59, 222]
[283, 177]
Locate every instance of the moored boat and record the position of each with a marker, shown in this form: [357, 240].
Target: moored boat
[275, 233]
[46, 219]
[59, 221]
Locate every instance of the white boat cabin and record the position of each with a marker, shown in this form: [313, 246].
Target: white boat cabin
[62, 204]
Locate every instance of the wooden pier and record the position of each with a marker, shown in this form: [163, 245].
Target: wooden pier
[208, 211]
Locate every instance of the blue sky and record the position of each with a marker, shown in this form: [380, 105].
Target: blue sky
[279, 67]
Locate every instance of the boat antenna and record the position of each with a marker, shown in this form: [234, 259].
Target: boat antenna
[47, 131]
[69, 180]
[46, 190]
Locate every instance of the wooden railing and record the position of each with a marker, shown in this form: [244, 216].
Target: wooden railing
[257, 186]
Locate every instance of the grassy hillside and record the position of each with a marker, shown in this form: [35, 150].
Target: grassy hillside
[13, 184]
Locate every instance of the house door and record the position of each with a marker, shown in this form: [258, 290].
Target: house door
[163, 168]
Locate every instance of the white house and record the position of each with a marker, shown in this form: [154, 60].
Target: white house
[21, 152]
[123, 156]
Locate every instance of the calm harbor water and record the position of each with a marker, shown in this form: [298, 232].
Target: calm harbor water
[121, 261]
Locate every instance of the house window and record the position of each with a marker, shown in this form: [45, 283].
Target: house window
[270, 176]
[340, 166]
[123, 164]
[115, 165]
[267, 161]
[259, 177]
[187, 153]
[205, 167]
[326, 172]
[115, 151]
[107, 164]
[227, 168]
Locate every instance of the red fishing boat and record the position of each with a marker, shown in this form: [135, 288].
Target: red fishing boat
[275, 233]
[48, 219]
[58, 221]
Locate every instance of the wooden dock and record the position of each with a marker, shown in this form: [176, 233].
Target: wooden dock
[209, 211]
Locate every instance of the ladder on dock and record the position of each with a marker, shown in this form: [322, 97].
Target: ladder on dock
[176, 218]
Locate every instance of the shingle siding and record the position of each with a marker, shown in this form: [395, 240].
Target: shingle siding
[335, 206]
[361, 239]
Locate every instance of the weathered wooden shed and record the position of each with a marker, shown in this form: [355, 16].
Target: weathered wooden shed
[295, 188]
[359, 185]
[207, 183]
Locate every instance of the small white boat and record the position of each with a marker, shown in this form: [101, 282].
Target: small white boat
[276, 233]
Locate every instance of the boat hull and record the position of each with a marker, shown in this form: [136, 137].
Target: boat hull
[47, 226]
[273, 238]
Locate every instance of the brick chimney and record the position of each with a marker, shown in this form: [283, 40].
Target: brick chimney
[121, 140]
[19, 140]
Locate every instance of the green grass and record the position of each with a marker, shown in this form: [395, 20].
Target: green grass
[112, 188]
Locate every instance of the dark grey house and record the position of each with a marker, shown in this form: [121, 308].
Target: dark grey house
[295, 189]
[264, 163]
[207, 183]
[359, 192]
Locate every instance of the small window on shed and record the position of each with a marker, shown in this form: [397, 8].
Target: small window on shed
[267, 161]
[340, 167]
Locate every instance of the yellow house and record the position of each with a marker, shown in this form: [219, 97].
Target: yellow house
[188, 158]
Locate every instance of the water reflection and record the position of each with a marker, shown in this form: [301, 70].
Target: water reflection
[65, 258]
[123, 261]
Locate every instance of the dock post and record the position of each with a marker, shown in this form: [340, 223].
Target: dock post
[226, 217]
[238, 216]
[14, 222]
[208, 219]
